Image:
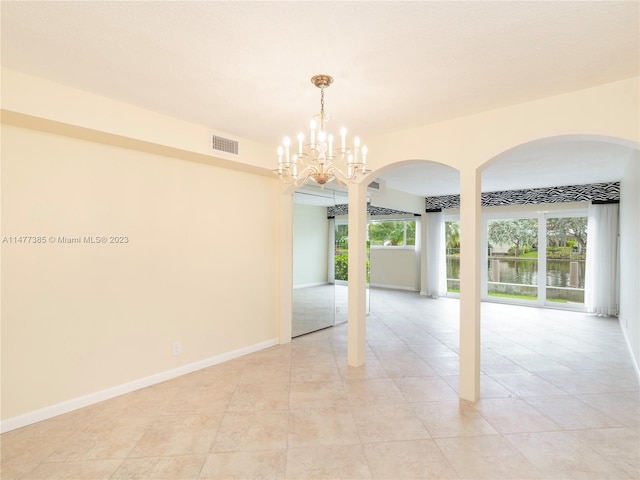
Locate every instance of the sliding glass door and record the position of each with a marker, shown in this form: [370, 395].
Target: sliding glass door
[536, 258]
[512, 267]
[566, 254]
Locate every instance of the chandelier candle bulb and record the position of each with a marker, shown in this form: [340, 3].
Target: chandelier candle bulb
[286, 142]
[364, 156]
[300, 139]
[343, 138]
[313, 133]
[330, 146]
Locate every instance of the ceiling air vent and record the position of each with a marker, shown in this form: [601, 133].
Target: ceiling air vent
[222, 144]
[378, 185]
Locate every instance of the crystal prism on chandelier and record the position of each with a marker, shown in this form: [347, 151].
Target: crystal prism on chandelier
[320, 157]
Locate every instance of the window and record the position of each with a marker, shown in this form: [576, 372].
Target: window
[566, 255]
[537, 258]
[392, 233]
[513, 258]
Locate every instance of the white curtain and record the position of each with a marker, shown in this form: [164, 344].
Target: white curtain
[436, 255]
[602, 259]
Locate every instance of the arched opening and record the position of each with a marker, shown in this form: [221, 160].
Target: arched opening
[532, 196]
[402, 206]
[397, 206]
[535, 205]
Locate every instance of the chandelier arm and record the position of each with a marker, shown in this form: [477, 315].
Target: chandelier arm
[285, 176]
[307, 171]
[346, 177]
[339, 176]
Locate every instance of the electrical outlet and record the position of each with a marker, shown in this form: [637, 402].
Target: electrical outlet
[177, 348]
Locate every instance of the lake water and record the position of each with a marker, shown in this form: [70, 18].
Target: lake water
[525, 272]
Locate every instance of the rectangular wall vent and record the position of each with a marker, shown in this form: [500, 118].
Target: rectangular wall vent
[377, 186]
[225, 145]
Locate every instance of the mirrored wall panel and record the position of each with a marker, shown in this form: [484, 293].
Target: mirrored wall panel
[314, 305]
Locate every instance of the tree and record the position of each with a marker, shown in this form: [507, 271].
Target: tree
[452, 234]
[411, 232]
[342, 236]
[559, 229]
[516, 233]
[391, 232]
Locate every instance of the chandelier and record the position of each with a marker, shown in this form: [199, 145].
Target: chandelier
[320, 157]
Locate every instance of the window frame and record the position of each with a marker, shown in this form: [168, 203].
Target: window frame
[541, 213]
[392, 218]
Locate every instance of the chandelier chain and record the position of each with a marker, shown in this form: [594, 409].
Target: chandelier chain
[322, 107]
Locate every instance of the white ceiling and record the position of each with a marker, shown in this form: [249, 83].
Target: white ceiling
[244, 67]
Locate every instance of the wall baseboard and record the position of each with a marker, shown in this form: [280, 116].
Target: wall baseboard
[96, 397]
[307, 285]
[424, 293]
[394, 287]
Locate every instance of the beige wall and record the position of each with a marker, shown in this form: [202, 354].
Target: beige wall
[397, 200]
[199, 266]
[394, 268]
[630, 256]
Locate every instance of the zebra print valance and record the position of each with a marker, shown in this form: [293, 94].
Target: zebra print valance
[572, 193]
[594, 192]
[371, 210]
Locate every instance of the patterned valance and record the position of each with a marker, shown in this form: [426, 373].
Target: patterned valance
[600, 192]
[371, 210]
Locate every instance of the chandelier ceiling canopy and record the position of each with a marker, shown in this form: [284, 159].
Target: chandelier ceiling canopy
[321, 157]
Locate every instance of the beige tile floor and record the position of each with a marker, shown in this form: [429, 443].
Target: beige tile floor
[560, 400]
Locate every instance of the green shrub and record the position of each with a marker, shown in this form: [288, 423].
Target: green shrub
[342, 267]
